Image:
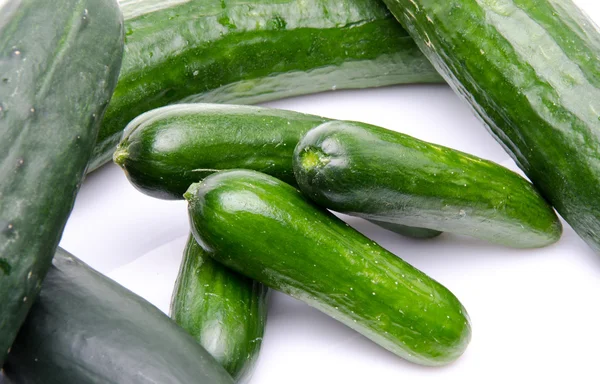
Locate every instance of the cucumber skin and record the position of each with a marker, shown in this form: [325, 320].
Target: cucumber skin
[165, 150]
[264, 228]
[85, 328]
[252, 51]
[58, 68]
[225, 312]
[370, 172]
[535, 84]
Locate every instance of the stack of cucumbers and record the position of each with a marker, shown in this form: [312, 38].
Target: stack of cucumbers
[162, 87]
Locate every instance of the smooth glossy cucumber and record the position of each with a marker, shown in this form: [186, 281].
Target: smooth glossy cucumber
[265, 229]
[251, 51]
[224, 311]
[530, 71]
[86, 329]
[167, 149]
[378, 174]
[59, 63]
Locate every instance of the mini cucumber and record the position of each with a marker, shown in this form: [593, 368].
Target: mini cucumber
[377, 174]
[167, 149]
[224, 311]
[86, 329]
[252, 51]
[262, 227]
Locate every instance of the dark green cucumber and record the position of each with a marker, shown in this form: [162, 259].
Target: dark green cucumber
[85, 328]
[265, 229]
[530, 71]
[251, 51]
[224, 311]
[167, 149]
[377, 174]
[59, 63]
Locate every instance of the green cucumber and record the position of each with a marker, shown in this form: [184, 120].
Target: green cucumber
[167, 149]
[251, 51]
[530, 71]
[259, 226]
[59, 63]
[224, 311]
[382, 175]
[86, 329]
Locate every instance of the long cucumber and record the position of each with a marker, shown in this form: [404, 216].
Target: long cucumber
[530, 70]
[251, 51]
[59, 63]
[86, 329]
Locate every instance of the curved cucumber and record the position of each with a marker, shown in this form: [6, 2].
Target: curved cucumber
[251, 51]
[167, 149]
[86, 329]
[59, 62]
[225, 312]
[265, 229]
[383, 175]
[529, 70]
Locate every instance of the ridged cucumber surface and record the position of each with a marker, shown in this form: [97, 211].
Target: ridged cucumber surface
[251, 51]
[59, 63]
[378, 174]
[261, 227]
[165, 150]
[224, 311]
[530, 71]
[86, 329]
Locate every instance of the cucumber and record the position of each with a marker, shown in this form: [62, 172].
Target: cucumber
[59, 63]
[225, 312]
[529, 70]
[259, 226]
[167, 149]
[382, 175]
[85, 328]
[251, 51]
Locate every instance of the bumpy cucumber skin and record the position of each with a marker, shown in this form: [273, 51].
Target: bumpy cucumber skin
[265, 229]
[58, 68]
[85, 328]
[530, 71]
[374, 173]
[224, 311]
[251, 51]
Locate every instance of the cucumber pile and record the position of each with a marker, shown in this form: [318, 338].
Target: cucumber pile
[92, 80]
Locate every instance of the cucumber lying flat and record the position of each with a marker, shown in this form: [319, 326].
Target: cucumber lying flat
[167, 149]
[224, 311]
[86, 329]
[265, 229]
[383, 175]
[59, 62]
[251, 51]
[530, 71]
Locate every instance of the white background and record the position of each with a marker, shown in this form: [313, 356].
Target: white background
[535, 313]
